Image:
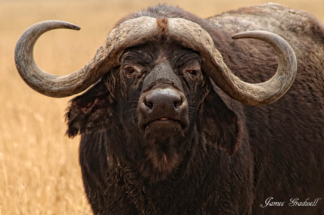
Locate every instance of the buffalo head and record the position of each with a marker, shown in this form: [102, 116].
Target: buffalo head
[150, 79]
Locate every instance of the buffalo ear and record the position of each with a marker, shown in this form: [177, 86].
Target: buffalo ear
[92, 110]
[219, 124]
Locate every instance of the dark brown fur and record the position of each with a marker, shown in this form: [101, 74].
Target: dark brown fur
[235, 156]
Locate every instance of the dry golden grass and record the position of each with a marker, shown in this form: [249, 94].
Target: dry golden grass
[39, 170]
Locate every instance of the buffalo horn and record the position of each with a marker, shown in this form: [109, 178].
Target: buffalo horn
[191, 35]
[129, 33]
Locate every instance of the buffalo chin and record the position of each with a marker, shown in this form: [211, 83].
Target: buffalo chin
[163, 140]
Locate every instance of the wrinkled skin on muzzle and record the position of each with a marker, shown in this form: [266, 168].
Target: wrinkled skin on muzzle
[161, 90]
[162, 108]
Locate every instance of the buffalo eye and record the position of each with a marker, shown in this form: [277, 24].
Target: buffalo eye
[192, 72]
[129, 70]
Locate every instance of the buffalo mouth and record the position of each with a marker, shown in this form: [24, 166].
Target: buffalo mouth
[165, 121]
[164, 128]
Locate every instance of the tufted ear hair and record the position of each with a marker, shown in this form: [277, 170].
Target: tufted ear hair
[93, 110]
[219, 124]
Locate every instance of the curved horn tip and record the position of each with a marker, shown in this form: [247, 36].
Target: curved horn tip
[54, 24]
[67, 25]
[234, 36]
[74, 27]
[241, 35]
[253, 34]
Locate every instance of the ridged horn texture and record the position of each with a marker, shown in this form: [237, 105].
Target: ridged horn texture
[192, 36]
[143, 29]
[129, 33]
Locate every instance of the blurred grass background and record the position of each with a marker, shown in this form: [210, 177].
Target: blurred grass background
[39, 170]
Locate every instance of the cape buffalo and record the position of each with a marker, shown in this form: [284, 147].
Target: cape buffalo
[183, 119]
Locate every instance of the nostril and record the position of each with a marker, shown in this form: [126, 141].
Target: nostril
[148, 104]
[177, 104]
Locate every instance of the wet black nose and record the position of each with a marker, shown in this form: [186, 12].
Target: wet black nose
[165, 105]
[163, 100]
